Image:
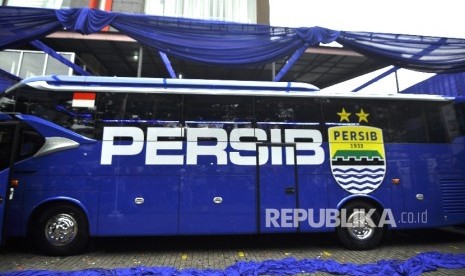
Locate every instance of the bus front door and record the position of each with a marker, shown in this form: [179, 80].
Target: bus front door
[277, 188]
[9, 130]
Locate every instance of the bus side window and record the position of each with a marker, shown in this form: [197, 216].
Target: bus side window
[446, 122]
[30, 143]
[153, 109]
[460, 117]
[353, 112]
[408, 123]
[287, 112]
[6, 140]
[110, 111]
[218, 111]
[439, 115]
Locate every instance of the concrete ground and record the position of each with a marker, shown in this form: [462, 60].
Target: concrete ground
[222, 251]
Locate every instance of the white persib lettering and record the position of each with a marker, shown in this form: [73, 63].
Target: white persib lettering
[291, 135]
[238, 157]
[163, 146]
[109, 149]
[155, 146]
[217, 149]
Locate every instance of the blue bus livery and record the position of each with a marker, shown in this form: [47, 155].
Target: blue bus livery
[99, 156]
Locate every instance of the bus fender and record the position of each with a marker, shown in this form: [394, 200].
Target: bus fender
[361, 197]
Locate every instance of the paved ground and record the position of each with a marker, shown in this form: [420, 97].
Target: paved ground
[223, 251]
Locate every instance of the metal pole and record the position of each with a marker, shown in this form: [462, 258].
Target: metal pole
[141, 59]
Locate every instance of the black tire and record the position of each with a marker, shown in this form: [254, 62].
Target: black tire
[357, 231]
[61, 230]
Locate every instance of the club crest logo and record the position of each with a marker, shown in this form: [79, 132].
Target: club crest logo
[357, 157]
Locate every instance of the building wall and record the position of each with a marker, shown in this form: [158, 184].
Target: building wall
[263, 12]
[46, 4]
[243, 11]
[129, 6]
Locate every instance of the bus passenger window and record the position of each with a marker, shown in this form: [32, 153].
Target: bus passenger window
[218, 111]
[110, 111]
[407, 122]
[439, 115]
[153, 109]
[295, 112]
[110, 108]
[460, 117]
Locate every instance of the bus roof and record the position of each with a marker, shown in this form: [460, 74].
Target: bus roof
[116, 84]
[196, 86]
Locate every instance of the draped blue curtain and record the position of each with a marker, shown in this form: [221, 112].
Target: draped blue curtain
[18, 26]
[232, 44]
[7, 80]
[420, 53]
[440, 84]
[414, 266]
[199, 40]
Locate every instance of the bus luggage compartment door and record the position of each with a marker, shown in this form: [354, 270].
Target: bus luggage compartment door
[277, 188]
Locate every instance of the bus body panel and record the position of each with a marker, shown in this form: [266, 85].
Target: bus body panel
[138, 205]
[217, 204]
[279, 191]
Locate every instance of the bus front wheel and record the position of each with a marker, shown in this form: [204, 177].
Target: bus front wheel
[61, 230]
[359, 227]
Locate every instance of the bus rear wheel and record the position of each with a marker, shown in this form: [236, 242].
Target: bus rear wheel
[359, 228]
[61, 230]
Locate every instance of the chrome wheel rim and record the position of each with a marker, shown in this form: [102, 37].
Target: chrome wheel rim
[360, 226]
[61, 229]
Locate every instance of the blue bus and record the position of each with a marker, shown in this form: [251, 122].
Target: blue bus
[86, 157]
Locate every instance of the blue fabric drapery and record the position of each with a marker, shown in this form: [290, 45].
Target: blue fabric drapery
[420, 53]
[440, 84]
[232, 44]
[85, 20]
[423, 262]
[217, 42]
[7, 80]
[19, 26]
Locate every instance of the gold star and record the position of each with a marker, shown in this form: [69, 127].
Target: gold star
[362, 116]
[344, 115]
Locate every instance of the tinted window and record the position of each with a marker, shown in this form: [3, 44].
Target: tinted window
[58, 107]
[338, 112]
[6, 143]
[30, 143]
[452, 117]
[139, 109]
[304, 111]
[111, 107]
[152, 108]
[460, 111]
[402, 121]
[347, 112]
[218, 111]
[437, 115]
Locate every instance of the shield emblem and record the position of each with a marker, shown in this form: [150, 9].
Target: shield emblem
[357, 157]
